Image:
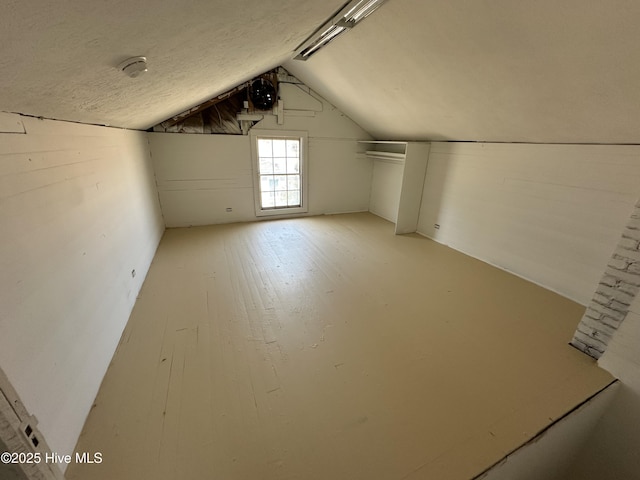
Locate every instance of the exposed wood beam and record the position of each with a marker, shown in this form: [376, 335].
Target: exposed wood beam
[203, 106]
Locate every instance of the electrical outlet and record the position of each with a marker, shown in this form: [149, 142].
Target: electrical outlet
[229, 209]
[436, 226]
[28, 428]
[133, 273]
[28, 431]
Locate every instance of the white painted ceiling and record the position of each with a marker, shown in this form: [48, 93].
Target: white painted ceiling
[488, 70]
[481, 70]
[58, 58]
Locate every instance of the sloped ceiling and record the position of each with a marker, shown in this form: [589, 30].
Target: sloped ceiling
[58, 58]
[480, 70]
[488, 70]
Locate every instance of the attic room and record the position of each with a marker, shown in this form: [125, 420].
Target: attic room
[277, 239]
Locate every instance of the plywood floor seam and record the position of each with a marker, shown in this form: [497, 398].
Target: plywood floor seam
[329, 348]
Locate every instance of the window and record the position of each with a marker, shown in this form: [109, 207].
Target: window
[279, 160]
[279, 170]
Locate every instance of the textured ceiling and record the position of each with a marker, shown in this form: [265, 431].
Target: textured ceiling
[488, 70]
[479, 70]
[58, 58]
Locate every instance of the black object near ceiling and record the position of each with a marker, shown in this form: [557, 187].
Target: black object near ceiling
[262, 94]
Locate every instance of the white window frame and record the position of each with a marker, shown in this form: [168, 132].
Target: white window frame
[303, 137]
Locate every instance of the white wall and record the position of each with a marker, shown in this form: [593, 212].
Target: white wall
[79, 212]
[551, 454]
[200, 176]
[386, 186]
[612, 450]
[549, 213]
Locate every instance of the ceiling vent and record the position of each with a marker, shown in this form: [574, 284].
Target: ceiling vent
[348, 17]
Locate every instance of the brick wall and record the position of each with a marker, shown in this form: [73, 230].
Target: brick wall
[618, 287]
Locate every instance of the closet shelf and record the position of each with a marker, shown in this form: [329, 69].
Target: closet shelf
[385, 155]
[397, 189]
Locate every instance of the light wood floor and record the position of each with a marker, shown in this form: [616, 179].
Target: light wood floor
[327, 348]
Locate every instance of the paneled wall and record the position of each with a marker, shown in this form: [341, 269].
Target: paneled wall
[80, 225]
[549, 213]
[201, 176]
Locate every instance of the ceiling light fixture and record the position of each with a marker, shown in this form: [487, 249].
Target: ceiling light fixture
[347, 17]
[134, 66]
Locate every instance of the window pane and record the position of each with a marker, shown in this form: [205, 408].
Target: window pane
[268, 200]
[265, 148]
[266, 183]
[293, 165]
[280, 182]
[281, 199]
[279, 148]
[293, 198]
[279, 165]
[293, 182]
[279, 173]
[266, 165]
[293, 148]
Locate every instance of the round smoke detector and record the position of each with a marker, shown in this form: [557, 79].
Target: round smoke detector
[134, 66]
